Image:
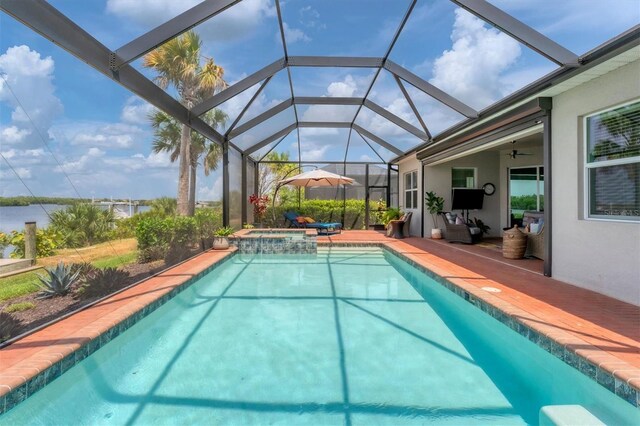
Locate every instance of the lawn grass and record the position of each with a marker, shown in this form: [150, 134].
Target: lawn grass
[18, 285]
[119, 253]
[116, 261]
[19, 307]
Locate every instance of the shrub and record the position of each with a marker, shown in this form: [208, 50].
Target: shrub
[19, 307]
[207, 221]
[47, 241]
[156, 236]
[102, 282]
[8, 326]
[57, 282]
[83, 224]
[84, 269]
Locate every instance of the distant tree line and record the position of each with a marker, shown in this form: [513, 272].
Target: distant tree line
[27, 201]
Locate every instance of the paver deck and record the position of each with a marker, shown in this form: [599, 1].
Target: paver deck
[604, 330]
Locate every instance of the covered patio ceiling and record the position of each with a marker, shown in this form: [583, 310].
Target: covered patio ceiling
[263, 132]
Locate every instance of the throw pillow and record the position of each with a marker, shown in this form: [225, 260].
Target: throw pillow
[308, 219]
[459, 221]
[534, 228]
[451, 217]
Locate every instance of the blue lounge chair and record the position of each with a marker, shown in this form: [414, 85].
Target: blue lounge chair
[325, 228]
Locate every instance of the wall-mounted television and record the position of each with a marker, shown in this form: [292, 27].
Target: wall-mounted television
[467, 199]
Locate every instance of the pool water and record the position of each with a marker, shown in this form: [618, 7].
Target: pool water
[342, 337]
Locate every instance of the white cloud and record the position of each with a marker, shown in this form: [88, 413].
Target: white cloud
[23, 172]
[136, 111]
[27, 82]
[344, 88]
[471, 70]
[292, 35]
[211, 193]
[231, 24]
[12, 135]
[111, 136]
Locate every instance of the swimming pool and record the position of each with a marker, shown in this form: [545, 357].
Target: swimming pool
[340, 337]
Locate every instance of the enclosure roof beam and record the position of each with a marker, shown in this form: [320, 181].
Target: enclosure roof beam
[238, 88]
[47, 21]
[247, 106]
[520, 31]
[325, 124]
[261, 118]
[282, 133]
[334, 61]
[412, 105]
[396, 120]
[327, 100]
[169, 30]
[430, 89]
[377, 139]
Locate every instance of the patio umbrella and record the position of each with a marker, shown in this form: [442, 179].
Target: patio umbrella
[315, 178]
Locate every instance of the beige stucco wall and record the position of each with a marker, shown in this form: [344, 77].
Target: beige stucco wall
[438, 179]
[603, 256]
[407, 165]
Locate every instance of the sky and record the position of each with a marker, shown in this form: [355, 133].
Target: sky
[66, 130]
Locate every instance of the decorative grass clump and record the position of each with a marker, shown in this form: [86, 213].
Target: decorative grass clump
[19, 307]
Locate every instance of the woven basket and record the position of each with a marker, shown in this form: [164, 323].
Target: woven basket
[514, 244]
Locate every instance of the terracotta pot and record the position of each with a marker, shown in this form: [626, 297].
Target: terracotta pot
[220, 243]
[436, 234]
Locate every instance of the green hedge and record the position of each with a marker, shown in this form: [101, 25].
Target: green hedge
[321, 211]
[171, 237]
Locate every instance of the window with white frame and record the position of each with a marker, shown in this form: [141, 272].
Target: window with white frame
[612, 163]
[463, 177]
[411, 190]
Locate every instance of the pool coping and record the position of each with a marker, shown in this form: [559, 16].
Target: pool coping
[29, 375]
[32, 373]
[614, 374]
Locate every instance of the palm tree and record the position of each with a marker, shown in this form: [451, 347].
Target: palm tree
[167, 132]
[178, 64]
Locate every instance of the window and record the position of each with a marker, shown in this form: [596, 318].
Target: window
[411, 190]
[463, 178]
[612, 163]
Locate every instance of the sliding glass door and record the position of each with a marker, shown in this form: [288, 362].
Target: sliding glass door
[526, 191]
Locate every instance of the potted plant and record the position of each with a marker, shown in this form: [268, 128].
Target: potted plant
[435, 205]
[260, 203]
[221, 238]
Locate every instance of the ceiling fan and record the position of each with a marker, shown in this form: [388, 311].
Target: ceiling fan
[515, 153]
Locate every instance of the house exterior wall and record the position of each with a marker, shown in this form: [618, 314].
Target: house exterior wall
[603, 256]
[438, 179]
[405, 166]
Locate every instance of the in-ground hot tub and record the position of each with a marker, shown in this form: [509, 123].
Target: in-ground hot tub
[276, 241]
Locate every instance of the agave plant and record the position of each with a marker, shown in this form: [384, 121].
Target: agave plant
[8, 326]
[57, 282]
[103, 281]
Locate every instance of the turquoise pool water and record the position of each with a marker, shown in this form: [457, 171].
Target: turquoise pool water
[343, 337]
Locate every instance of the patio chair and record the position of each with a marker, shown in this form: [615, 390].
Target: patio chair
[460, 232]
[297, 221]
[400, 228]
[534, 229]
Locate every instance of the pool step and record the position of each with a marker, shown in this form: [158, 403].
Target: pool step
[567, 415]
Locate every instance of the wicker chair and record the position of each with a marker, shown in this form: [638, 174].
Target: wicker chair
[535, 240]
[459, 233]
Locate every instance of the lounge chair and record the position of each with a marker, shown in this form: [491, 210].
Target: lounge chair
[297, 221]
